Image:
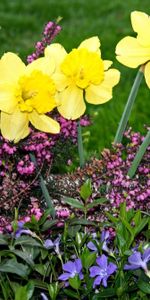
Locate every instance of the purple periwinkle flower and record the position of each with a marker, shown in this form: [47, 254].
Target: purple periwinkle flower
[49, 244]
[71, 270]
[21, 230]
[138, 260]
[92, 246]
[104, 237]
[102, 271]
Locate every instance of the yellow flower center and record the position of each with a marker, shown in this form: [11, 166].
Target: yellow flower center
[83, 67]
[36, 91]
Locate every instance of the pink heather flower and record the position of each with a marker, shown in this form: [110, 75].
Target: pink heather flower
[64, 213]
[50, 31]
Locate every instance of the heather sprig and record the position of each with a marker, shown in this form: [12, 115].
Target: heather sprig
[51, 29]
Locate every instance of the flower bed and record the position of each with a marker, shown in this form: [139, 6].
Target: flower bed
[82, 234]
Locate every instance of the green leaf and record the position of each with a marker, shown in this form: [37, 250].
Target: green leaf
[30, 289]
[75, 282]
[12, 266]
[73, 202]
[46, 214]
[53, 290]
[24, 292]
[6, 290]
[3, 240]
[27, 240]
[21, 293]
[81, 222]
[88, 259]
[109, 292]
[137, 218]
[86, 190]
[48, 224]
[72, 230]
[96, 202]
[141, 225]
[71, 293]
[112, 218]
[144, 287]
[24, 256]
[40, 269]
[39, 284]
[123, 211]
[128, 226]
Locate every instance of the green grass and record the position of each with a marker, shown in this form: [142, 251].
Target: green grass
[21, 26]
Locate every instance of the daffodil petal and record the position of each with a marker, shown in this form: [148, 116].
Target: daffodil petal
[8, 101]
[147, 74]
[11, 67]
[47, 66]
[91, 44]
[107, 64]
[99, 94]
[130, 53]
[44, 123]
[14, 126]
[57, 52]
[61, 81]
[72, 103]
[141, 24]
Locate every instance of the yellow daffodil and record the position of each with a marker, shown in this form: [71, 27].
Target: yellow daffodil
[135, 51]
[27, 93]
[81, 74]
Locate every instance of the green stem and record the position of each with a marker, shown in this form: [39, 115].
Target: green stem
[139, 155]
[80, 145]
[44, 189]
[128, 107]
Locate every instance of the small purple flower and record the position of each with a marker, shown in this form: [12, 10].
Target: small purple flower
[138, 260]
[44, 297]
[49, 244]
[71, 270]
[104, 237]
[102, 271]
[21, 230]
[92, 246]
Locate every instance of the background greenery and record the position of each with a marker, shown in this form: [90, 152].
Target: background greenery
[21, 26]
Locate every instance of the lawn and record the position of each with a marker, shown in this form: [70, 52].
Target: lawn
[21, 26]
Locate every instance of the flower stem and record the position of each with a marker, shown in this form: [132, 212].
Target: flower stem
[139, 155]
[44, 189]
[128, 107]
[80, 145]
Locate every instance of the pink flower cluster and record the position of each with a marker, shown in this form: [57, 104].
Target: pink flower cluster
[50, 31]
[19, 175]
[118, 186]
